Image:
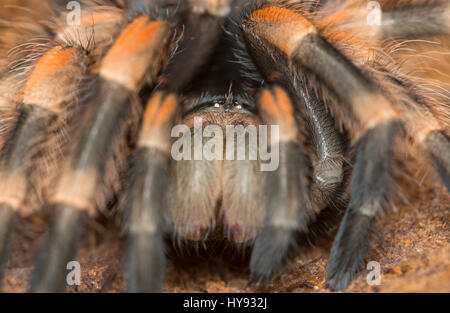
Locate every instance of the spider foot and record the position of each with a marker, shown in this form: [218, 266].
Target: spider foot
[269, 253]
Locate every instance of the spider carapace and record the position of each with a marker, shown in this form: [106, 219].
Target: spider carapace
[90, 105]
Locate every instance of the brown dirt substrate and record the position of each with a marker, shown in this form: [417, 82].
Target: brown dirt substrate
[411, 244]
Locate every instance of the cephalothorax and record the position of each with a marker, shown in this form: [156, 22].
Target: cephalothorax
[88, 112]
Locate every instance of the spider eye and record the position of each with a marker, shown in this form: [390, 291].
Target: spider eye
[219, 103]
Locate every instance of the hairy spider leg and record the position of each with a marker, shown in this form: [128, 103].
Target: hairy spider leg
[138, 53]
[49, 88]
[372, 124]
[146, 204]
[289, 204]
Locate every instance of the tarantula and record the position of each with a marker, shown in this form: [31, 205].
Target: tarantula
[77, 139]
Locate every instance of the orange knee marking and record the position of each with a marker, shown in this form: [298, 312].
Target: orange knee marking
[158, 113]
[282, 27]
[53, 79]
[284, 103]
[136, 36]
[157, 121]
[167, 111]
[52, 63]
[152, 109]
[277, 105]
[277, 14]
[277, 109]
[268, 105]
[139, 44]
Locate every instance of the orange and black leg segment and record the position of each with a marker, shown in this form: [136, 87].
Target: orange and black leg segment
[328, 146]
[49, 88]
[368, 194]
[370, 119]
[147, 186]
[289, 207]
[135, 58]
